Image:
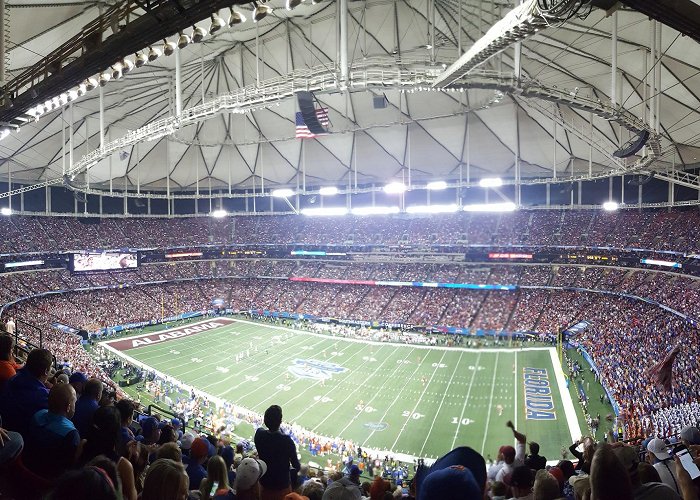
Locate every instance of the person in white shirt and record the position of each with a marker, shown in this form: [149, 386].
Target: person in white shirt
[10, 326]
[512, 457]
[661, 459]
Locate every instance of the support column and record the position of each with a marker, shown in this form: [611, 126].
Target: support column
[613, 69]
[343, 20]
[178, 83]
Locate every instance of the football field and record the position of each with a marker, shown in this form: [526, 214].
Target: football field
[417, 400]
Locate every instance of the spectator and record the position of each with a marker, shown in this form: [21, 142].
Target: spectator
[248, 476]
[345, 489]
[649, 489]
[165, 480]
[169, 450]
[216, 483]
[87, 405]
[660, 458]
[26, 393]
[8, 365]
[198, 455]
[534, 460]
[609, 480]
[125, 408]
[521, 482]
[546, 486]
[78, 380]
[512, 457]
[51, 435]
[150, 431]
[88, 483]
[278, 451]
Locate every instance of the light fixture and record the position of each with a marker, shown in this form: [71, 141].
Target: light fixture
[198, 34]
[4, 132]
[260, 11]
[491, 182]
[375, 210]
[82, 89]
[219, 214]
[127, 65]
[282, 193]
[105, 78]
[293, 4]
[328, 191]
[216, 23]
[324, 211]
[91, 83]
[437, 185]
[236, 18]
[395, 188]
[63, 99]
[183, 41]
[314, 2]
[5, 211]
[610, 206]
[508, 206]
[117, 71]
[72, 95]
[169, 48]
[432, 209]
[153, 53]
[141, 59]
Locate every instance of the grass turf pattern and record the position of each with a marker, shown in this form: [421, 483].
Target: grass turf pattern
[408, 399]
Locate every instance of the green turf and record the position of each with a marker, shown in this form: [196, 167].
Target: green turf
[431, 399]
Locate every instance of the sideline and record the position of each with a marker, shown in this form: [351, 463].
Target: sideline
[569, 410]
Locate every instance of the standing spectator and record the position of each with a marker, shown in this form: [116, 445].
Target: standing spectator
[77, 380]
[198, 455]
[87, 405]
[278, 451]
[26, 393]
[53, 442]
[534, 460]
[125, 408]
[10, 326]
[512, 457]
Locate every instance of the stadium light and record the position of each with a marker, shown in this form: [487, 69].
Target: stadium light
[489, 182]
[375, 210]
[216, 23]
[219, 214]
[610, 206]
[437, 185]
[6, 211]
[395, 188]
[236, 18]
[491, 207]
[324, 211]
[432, 209]
[282, 193]
[328, 191]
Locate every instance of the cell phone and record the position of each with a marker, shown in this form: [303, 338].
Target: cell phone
[214, 488]
[682, 452]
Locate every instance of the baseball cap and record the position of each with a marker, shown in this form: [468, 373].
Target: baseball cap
[199, 448]
[248, 473]
[462, 456]
[187, 440]
[691, 434]
[508, 452]
[658, 448]
[176, 422]
[342, 489]
[455, 482]
[355, 470]
[77, 377]
[148, 425]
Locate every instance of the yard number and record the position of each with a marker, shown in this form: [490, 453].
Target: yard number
[464, 421]
[414, 416]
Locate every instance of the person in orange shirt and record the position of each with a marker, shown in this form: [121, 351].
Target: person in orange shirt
[8, 365]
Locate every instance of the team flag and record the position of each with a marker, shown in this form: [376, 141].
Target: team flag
[303, 131]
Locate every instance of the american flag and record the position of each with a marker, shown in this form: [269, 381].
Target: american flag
[303, 131]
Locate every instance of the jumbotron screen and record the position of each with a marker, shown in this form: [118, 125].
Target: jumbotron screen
[103, 261]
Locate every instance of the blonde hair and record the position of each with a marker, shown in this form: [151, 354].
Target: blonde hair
[216, 472]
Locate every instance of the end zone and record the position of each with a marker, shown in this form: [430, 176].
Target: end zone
[166, 335]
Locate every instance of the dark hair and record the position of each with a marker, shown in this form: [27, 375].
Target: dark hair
[89, 483]
[167, 435]
[273, 417]
[103, 434]
[534, 448]
[6, 345]
[38, 362]
[522, 477]
[126, 409]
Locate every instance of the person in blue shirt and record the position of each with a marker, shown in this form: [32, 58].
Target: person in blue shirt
[199, 452]
[52, 442]
[26, 392]
[87, 405]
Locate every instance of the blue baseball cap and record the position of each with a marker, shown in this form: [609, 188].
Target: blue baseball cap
[463, 467]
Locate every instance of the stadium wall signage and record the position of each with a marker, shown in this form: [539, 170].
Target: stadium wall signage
[539, 404]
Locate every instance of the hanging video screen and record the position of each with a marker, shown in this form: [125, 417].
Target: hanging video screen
[103, 261]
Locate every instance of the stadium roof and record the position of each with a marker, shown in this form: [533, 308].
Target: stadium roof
[420, 135]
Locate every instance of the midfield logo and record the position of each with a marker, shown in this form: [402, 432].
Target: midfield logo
[314, 369]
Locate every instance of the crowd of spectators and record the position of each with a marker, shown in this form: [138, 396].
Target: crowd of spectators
[626, 228]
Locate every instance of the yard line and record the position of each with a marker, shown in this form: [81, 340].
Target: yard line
[569, 410]
[488, 415]
[466, 399]
[432, 424]
[358, 387]
[515, 418]
[391, 405]
[418, 402]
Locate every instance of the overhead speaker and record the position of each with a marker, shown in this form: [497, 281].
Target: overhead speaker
[633, 146]
[308, 112]
[379, 102]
